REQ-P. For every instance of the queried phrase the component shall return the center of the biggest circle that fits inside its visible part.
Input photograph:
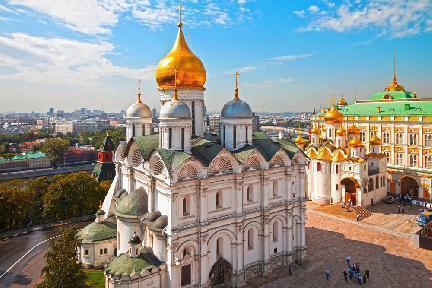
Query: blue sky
(292, 55)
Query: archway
(350, 190)
(409, 186)
(221, 274)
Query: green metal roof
(205, 150)
(147, 144)
(388, 108)
(29, 155)
(173, 159)
(125, 265)
(265, 145)
(134, 204)
(397, 95)
(98, 231)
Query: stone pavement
(393, 261)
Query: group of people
(404, 199)
(353, 273)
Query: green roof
(147, 144)
(265, 145)
(290, 147)
(98, 231)
(173, 159)
(243, 153)
(29, 155)
(125, 265)
(397, 95)
(205, 150)
(133, 204)
(389, 108)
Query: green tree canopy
(15, 201)
(62, 268)
(54, 148)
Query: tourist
(403, 209)
(327, 273)
(367, 273)
(360, 279)
(399, 209)
(345, 276)
(348, 258)
(364, 278)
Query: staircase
(362, 213)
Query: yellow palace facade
(403, 124)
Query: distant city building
(42, 123)
(255, 122)
(214, 123)
(75, 127)
(28, 160)
(104, 168)
(79, 155)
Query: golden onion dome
(190, 70)
(324, 154)
(341, 131)
(342, 102)
(375, 140)
(339, 156)
(355, 142)
(315, 130)
(333, 116)
(311, 154)
(353, 130)
(299, 140)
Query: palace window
(412, 160)
(428, 161)
(86, 252)
(100, 251)
(386, 137)
(275, 231)
(376, 182)
(428, 140)
(169, 138)
(337, 169)
(399, 159)
(186, 278)
(388, 156)
(399, 138)
(362, 136)
(412, 139)
(250, 239)
(219, 200)
(371, 185)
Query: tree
(15, 202)
(62, 268)
(55, 148)
(39, 186)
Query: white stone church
(183, 211)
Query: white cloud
(61, 61)
(313, 9)
(397, 18)
(269, 83)
(244, 69)
(286, 58)
(299, 13)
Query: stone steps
(362, 213)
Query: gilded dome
(190, 70)
(333, 116)
(324, 154)
(353, 130)
(375, 140)
(311, 154)
(339, 155)
(315, 130)
(342, 102)
(355, 142)
(299, 140)
(341, 131)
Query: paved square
(392, 259)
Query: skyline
(291, 56)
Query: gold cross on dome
(237, 74)
(180, 6)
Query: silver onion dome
(138, 110)
(175, 109)
(236, 108)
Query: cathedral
(185, 211)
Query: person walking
(364, 278)
(327, 273)
(367, 273)
(345, 276)
(348, 259)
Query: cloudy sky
(292, 55)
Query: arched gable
(119, 153)
(255, 161)
(191, 169)
(281, 158)
(250, 224)
(278, 217)
(220, 233)
(223, 163)
(134, 157)
(156, 165)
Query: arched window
(275, 188)
(246, 130)
(182, 138)
(250, 239)
(235, 137)
(337, 169)
(219, 203)
(275, 231)
(219, 247)
(318, 166)
(376, 182)
(371, 185)
(249, 197)
(133, 130)
(399, 138)
(185, 205)
(169, 138)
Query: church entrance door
(350, 190)
(221, 274)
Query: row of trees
(48, 199)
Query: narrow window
(186, 278)
(337, 169)
(133, 130)
(224, 135)
(218, 200)
(219, 247)
(182, 138)
(193, 117)
(318, 166)
(143, 130)
(247, 135)
(337, 186)
(100, 251)
(185, 207)
(250, 239)
(86, 252)
(105, 250)
(249, 194)
(235, 137)
(275, 231)
(169, 137)
(275, 188)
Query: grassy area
(95, 278)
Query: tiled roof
(98, 231)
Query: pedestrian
(364, 278)
(348, 258)
(289, 270)
(345, 276)
(327, 273)
(367, 273)
(399, 209)
(403, 209)
(359, 279)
